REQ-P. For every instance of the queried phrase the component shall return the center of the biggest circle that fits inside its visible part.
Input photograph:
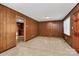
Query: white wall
(67, 26)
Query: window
(67, 26)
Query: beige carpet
(41, 46)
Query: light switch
(72, 27)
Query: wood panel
(2, 30)
(73, 39)
(28, 30)
(51, 28)
(31, 28)
(11, 28)
(7, 28)
(8, 18)
(75, 34)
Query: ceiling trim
(36, 20)
(52, 21)
(70, 12)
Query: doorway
(19, 30)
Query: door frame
(20, 17)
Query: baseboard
(30, 38)
(7, 49)
(51, 36)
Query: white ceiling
(43, 11)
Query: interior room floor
(41, 46)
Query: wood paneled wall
(7, 28)
(73, 39)
(31, 28)
(51, 28)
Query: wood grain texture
(51, 28)
(31, 28)
(7, 28)
(75, 34)
(8, 18)
(73, 39)
(11, 28)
